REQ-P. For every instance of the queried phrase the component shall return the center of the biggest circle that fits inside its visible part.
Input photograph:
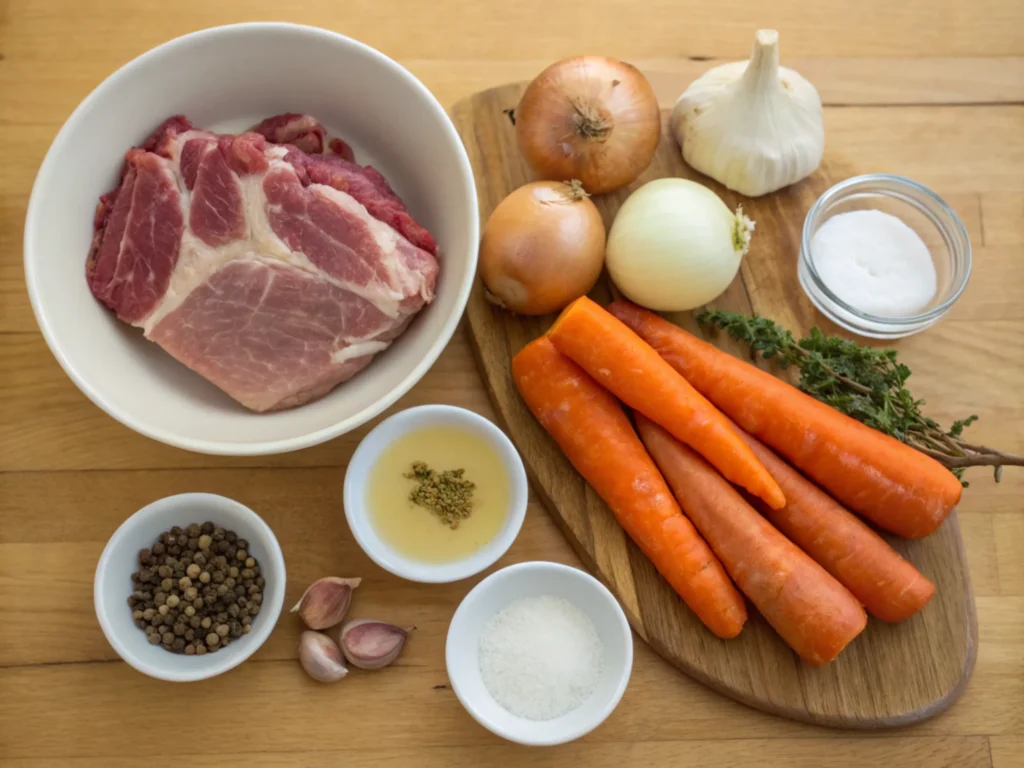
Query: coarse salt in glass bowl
(920, 209)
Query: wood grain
(70, 474)
(892, 674)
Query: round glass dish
(919, 208)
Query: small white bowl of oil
(416, 541)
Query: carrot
(621, 361)
(889, 587)
(811, 611)
(890, 483)
(594, 433)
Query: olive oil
(415, 531)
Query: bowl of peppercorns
(189, 586)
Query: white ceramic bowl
(525, 580)
(227, 78)
(382, 436)
(113, 584)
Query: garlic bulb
(751, 125)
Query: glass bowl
(919, 208)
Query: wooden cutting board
(889, 676)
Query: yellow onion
(542, 247)
(589, 118)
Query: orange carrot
(890, 483)
(889, 587)
(594, 433)
(621, 361)
(811, 611)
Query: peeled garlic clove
(326, 602)
(372, 644)
(321, 657)
(751, 125)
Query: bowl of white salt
(883, 256)
(539, 653)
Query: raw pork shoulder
(268, 262)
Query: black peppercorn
(193, 600)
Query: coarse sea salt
(875, 263)
(540, 657)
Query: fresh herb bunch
(867, 384)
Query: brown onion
(589, 118)
(542, 247)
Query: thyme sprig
(864, 383)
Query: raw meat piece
(274, 273)
(305, 133)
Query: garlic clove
(372, 644)
(326, 601)
(751, 125)
(321, 657)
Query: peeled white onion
(675, 246)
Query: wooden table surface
(933, 89)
